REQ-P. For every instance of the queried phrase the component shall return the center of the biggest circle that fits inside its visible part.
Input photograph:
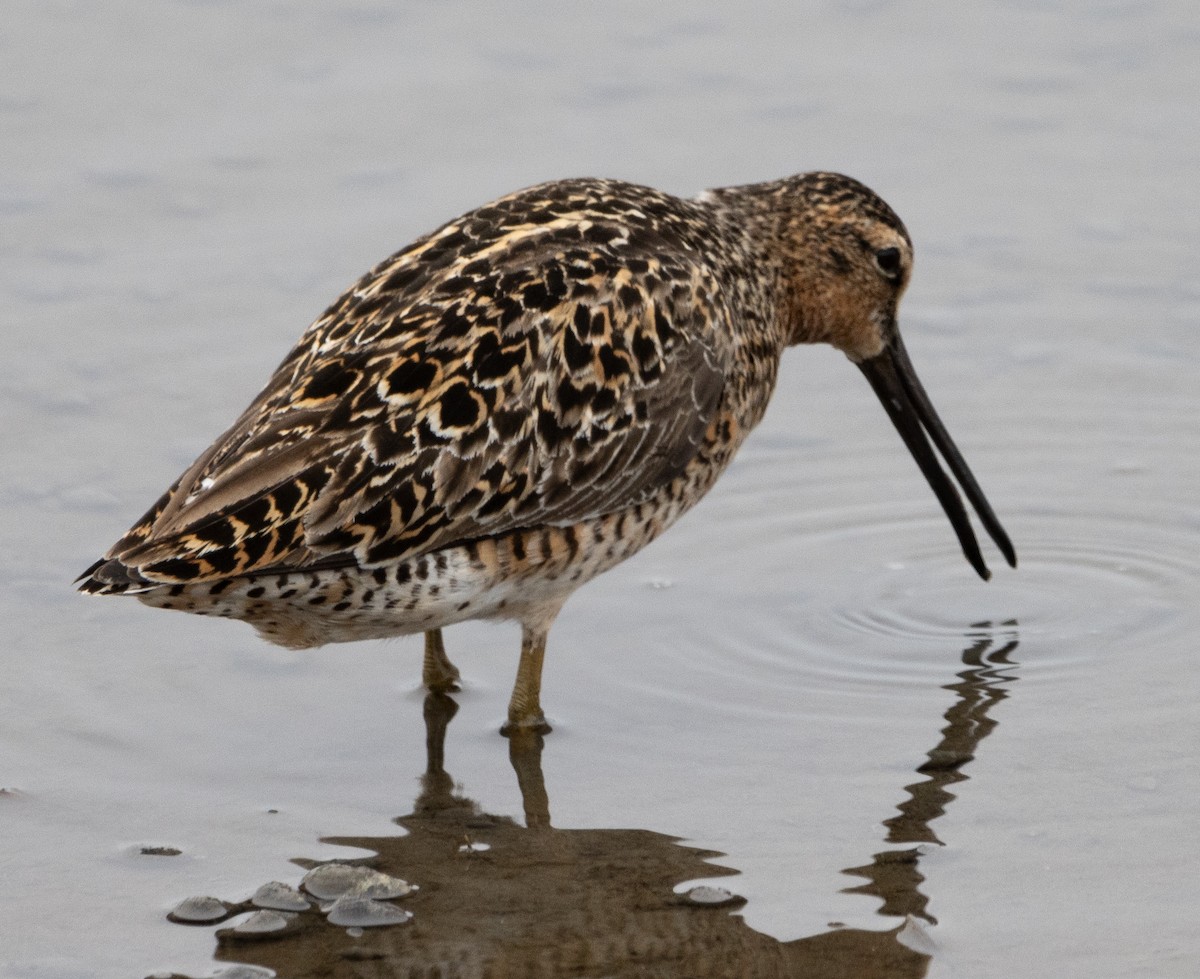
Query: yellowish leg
(525, 707)
(438, 673)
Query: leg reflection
(893, 875)
(525, 753)
(436, 784)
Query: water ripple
(880, 594)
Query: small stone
(362, 912)
(915, 935)
(199, 910)
(333, 880)
(263, 922)
(710, 896)
(279, 896)
(160, 851)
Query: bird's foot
(442, 682)
(437, 672)
(518, 727)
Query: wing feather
(542, 379)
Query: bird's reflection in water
(546, 902)
(892, 875)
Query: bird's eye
(888, 260)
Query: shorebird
(522, 399)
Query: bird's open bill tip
(894, 381)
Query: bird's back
(556, 356)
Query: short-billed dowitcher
(519, 401)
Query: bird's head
(847, 261)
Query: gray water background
(185, 185)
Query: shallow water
(804, 676)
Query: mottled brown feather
(514, 375)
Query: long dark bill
(895, 383)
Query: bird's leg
(438, 673)
(525, 707)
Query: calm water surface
(904, 770)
